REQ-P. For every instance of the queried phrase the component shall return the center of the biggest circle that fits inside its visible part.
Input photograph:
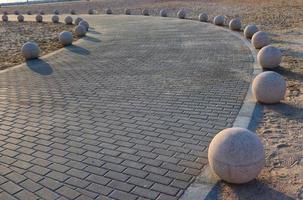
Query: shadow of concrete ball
(66, 38)
(56, 12)
(203, 17)
(181, 14)
(85, 24)
(78, 20)
(80, 31)
(235, 24)
(55, 19)
(20, 18)
(68, 20)
(260, 39)
(30, 50)
(236, 155)
(5, 18)
(163, 13)
(108, 11)
(145, 12)
(250, 30)
(269, 57)
(39, 18)
(127, 11)
(219, 20)
(269, 87)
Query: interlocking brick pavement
(127, 113)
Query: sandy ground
(281, 126)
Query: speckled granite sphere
(72, 12)
(39, 18)
(30, 50)
(236, 155)
(203, 17)
(80, 31)
(269, 57)
(4, 18)
(16, 12)
(85, 24)
(269, 87)
(260, 39)
(181, 14)
(68, 20)
(219, 20)
(78, 20)
(235, 24)
(250, 30)
(66, 38)
(127, 11)
(145, 12)
(108, 11)
(56, 12)
(29, 12)
(55, 19)
(91, 11)
(20, 18)
(163, 13)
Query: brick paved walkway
(126, 114)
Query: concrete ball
(145, 12)
(260, 39)
(236, 155)
(39, 18)
(41, 12)
(127, 11)
(68, 20)
(56, 12)
(30, 50)
(20, 18)
(219, 20)
(163, 13)
(5, 12)
(181, 14)
(29, 12)
(72, 12)
(269, 87)
(250, 30)
(16, 12)
(91, 11)
(108, 11)
(78, 20)
(4, 18)
(203, 17)
(269, 57)
(85, 24)
(235, 24)
(80, 31)
(66, 38)
(55, 19)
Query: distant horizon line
(6, 3)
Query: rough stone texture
(108, 11)
(269, 87)
(250, 30)
(181, 14)
(85, 24)
(55, 19)
(39, 18)
(56, 12)
(4, 18)
(163, 13)
(78, 20)
(20, 18)
(30, 50)
(269, 57)
(68, 20)
(203, 17)
(145, 12)
(236, 155)
(66, 38)
(128, 112)
(127, 11)
(260, 39)
(235, 24)
(80, 30)
(219, 20)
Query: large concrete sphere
(163, 13)
(236, 155)
(235, 24)
(66, 38)
(80, 31)
(260, 39)
(219, 20)
(39, 18)
(85, 24)
(91, 11)
(20, 18)
(30, 50)
(269, 57)
(108, 11)
(203, 17)
(250, 30)
(55, 19)
(4, 18)
(269, 87)
(56, 12)
(145, 12)
(72, 12)
(16, 12)
(127, 11)
(181, 14)
(29, 12)
(78, 20)
(68, 20)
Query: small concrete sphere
(5, 12)
(41, 12)
(203, 17)
(72, 12)
(269, 57)
(219, 20)
(127, 11)
(16, 12)
(145, 12)
(80, 31)
(235, 24)
(4, 18)
(181, 14)
(20, 18)
(250, 30)
(163, 13)
(56, 12)
(30, 50)
(108, 11)
(39, 18)
(29, 12)
(91, 11)
(66, 38)
(236, 155)
(260, 39)
(85, 24)
(55, 19)
(68, 20)
(78, 20)
(269, 87)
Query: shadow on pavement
(92, 39)
(39, 66)
(77, 49)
